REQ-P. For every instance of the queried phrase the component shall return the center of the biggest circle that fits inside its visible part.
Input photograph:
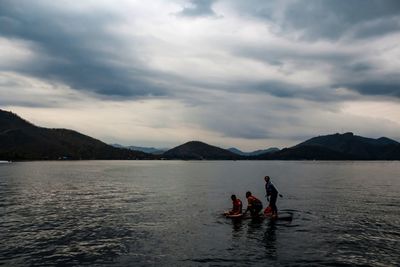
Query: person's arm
(248, 208)
(233, 211)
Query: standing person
(254, 205)
(236, 206)
(272, 195)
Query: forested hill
(196, 150)
(21, 140)
(345, 146)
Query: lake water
(168, 213)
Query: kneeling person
(254, 205)
(237, 206)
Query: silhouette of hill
(345, 146)
(21, 140)
(199, 151)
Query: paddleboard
(284, 216)
(233, 216)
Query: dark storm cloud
(331, 18)
(344, 24)
(199, 8)
(74, 48)
(328, 19)
(376, 88)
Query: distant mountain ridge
(149, 150)
(253, 153)
(21, 140)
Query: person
(272, 195)
(236, 206)
(254, 205)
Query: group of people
(255, 205)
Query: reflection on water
(125, 213)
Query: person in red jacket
(237, 206)
(254, 205)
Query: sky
(248, 74)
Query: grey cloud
(239, 126)
(378, 27)
(347, 68)
(280, 89)
(332, 19)
(293, 91)
(75, 49)
(391, 89)
(30, 103)
(248, 116)
(199, 8)
(367, 79)
(247, 132)
(360, 67)
(327, 19)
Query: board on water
(284, 216)
(234, 216)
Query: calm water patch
(124, 213)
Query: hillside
(21, 140)
(345, 146)
(195, 150)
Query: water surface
(124, 213)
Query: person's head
(266, 178)
(233, 197)
(248, 193)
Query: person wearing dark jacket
(272, 195)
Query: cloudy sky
(251, 74)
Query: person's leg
(252, 211)
(273, 204)
(258, 209)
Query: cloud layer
(247, 73)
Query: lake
(168, 213)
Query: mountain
(305, 153)
(21, 140)
(253, 153)
(199, 151)
(345, 146)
